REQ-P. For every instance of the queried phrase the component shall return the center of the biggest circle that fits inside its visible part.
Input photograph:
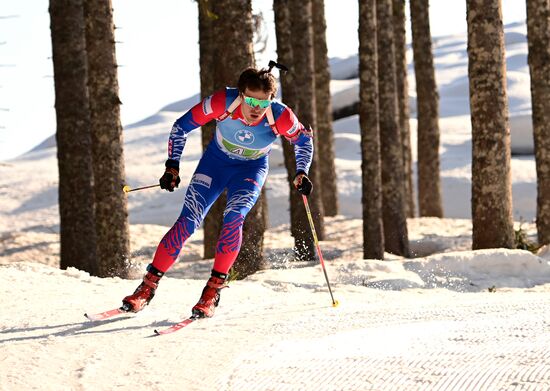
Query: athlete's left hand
(302, 183)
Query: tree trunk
(298, 218)
(113, 245)
(399, 22)
(373, 230)
(74, 141)
(538, 33)
(207, 53)
(429, 184)
(393, 178)
(207, 48)
(324, 131)
(305, 109)
(491, 182)
(218, 19)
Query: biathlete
(248, 121)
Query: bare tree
(373, 235)
(73, 136)
(399, 22)
(218, 19)
(286, 33)
(491, 180)
(429, 184)
(207, 49)
(297, 46)
(113, 244)
(393, 177)
(304, 68)
(538, 33)
(325, 135)
(298, 217)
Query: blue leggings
(243, 180)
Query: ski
(177, 326)
(106, 314)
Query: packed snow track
(276, 330)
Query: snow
(278, 331)
(447, 319)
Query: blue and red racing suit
(237, 160)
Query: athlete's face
(253, 113)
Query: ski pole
(335, 303)
(128, 189)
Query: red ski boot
(144, 292)
(210, 297)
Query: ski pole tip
(126, 188)
(336, 303)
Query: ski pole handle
(127, 189)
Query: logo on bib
(244, 136)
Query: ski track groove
(456, 347)
(478, 342)
(488, 377)
(535, 373)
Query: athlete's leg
(243, 191)
(208, 181)
(206, 185)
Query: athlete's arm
(290, 128)
(208, 109)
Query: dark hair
(256, 80)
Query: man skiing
(248, 122)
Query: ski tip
(91, 317)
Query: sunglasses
(253, 102)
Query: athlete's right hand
(171, 178)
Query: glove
(302, 183)
(171, 178)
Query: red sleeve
(288, 125)
(209, 108)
